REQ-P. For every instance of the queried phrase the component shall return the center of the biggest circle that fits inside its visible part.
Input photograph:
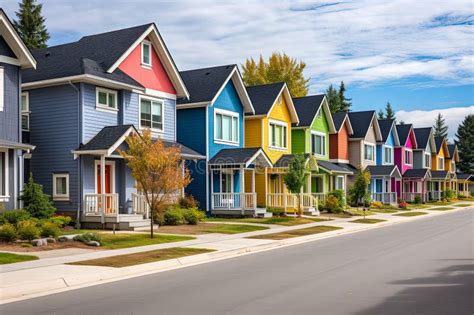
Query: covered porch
(416, 185)
(438, 185)
(463, 182)
(383, 183)
(336, 177)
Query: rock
(50, 240)
(93, 243)
(66, 238)
(39, 242)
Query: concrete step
(311, 211)
(131, 217)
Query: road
(419, 267)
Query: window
(318, 143)
(2, 87)
(440, 163)
(278, 135)
(369, 152)
(3, 174)
(226, 126)
(25, 111)
(151, 114)
(453, 166)
(408, 157)
(106, 99)
(146, 54)
(61, 187)
(427, 160)
(340, 182)
(388, 155)
(226, 183)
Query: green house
(311, 136)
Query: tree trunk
(151, 223)
(299, 205)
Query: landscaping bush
(188, 202)
(60, 220)
(376, 205)
(449, 194)
(8, 233)
(340, 195)
(174, 216)
(28, 230)
(193, 216)
(159, 219)
(87, 237)
(14, 216)
(417, 200)
(403, 205)
(50, 229)
(277, 212)
(333, 205)
(37, 203)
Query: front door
(108, 186)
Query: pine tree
(440, 128)
(465, 142)
(30, 24)
(36, 202)
(333, 99)
(380, 115)
(389, 113)
(345, 103)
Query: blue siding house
(14, 114)
(85, 98)
(211, 122)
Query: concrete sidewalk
(46, 276)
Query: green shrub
(188, 202)
(37, 203)
(8, 233)
(50, 229)
(61, 220)
(14, 216)
(333, 205)
(277, 212)
(193, 216)
(449, 194)
(159, 219)
(376, 205)
(28, 230)
(174, 216)
(87, 237)
(340, 195)
(417, 200)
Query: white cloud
(421, 118)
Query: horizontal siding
(191, 125)
(10, 116)
(197, 187)
(298, 140)
(253, 133)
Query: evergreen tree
(380, 115)
(333, 99)
(30, 24)
(36, 202)
(344, 102)
(465, 143)
(440, 128)
(389, 113)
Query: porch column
(212, 188)
(242, 199)
(102, 186)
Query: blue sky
(419, 55)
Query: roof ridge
(117, 30)
(266, 84)
(213, 67)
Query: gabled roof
(440, 175)
(285, 160)
(308, 107)
(334, 168)
(384, 170)
(465, 177)
(347, 166)
(240, 156)
(205, 85)
(387, 125)
(341, 118)
(441, 142)
(417, 173)
(405, 131)
(361, 121)
(423, 136)
(22, 55)
(265, 96)
(453, 152)
(99, 56)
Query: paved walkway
(49, 275)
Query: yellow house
(440, 176)
(450, 166)
(270, 129)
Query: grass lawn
(368, 221)
(443, 208)
(356, 212)
(7, 258)
(142, 258)
(384, 210)
(297, 233)
(117, 241)
(203, 228)
(79, 231)
(413, 206)
(285, 221)
(410, 214)
(462, 205)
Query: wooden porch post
(242, 190)
(102, 187)
(212, 188)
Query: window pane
(235, 129)
(111, 100)
(226, 128)
(146, 54)
(25, 123)
(145, 115)
(61, 185)
(318, 144)
(218, 126)
(272, 135)
(24, 103)
(284, 137)
(278, 136)
(102, 98)
(156, 116)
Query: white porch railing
(140, 206)
(410, 196)
(101, 205)
(385, 198)
(288, 200)
(234, 201)
(435, 195)
(322, 197)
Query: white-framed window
(387, 155)
(61, 186)
(427, 160)
(25, 111)
(151, 114)
(408, 157)
(106, 99)
(146, 54)
(318, 143)
(339, 182)
(440, 163)
(4, 178)
(2, 88)
(226, 127)
(369, 152)
(278, 135)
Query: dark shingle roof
(263, 96)
(451, 148)
(463, 176)
(185, 151)
(403, 133)
(203, 84)
(422, 136)
(381, 170)
(360, 122)
(306, 108)
(333, 167)
(439, 174)
(348, 167)
(233, 156)
(93, 54)
(338, 119)
(438, 142)
(105, 138)
(416, 173)
(385, 127)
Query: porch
(439, 183)
(416, 185)
(463, 182)
(383, 183)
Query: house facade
(440, 177)
(14, 56)
(363, 141)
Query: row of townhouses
(66, 110)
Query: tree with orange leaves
(157, 170)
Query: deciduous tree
(296, 177)
(359, 191)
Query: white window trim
(279, 123)
(429, 160)
(321, 134)
(374, 158)
(112, 173)
(27, 111)
(405, 156)
(143, 64)
(6, 197)
(60, 197)
(2, 88)
(343, 183)
(441, 167)
(102, 107)
(152, 99)
(231, 114)
(385, 155)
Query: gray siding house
(85, 98)
(14, 56)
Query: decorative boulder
(39, 242)
(50, 240)
(93, 243)
(66, 238)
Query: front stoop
(127, 222)
(312, 212)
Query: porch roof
(16, 145)
(334, 168)
(417, 173)
(348, 167)
(240, 157)
(440, 175)
(464, 177)
(384, 170)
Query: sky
(417, 55)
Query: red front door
(108, 187)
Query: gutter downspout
(79, 180)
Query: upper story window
(440, 163)
(427, 160)
(106, 99)
(226, 126)
(4, 174)
(408, 157)
(453, 166)
(151, 114)
(369, 152)
(146, 53)
(388, 155)
(278, 135)
(318, 143)
(60, 186)
(25, 111)
(2, 87)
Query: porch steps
(262, 213)
(311, 211)
(126, 222)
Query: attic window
(146, 53)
